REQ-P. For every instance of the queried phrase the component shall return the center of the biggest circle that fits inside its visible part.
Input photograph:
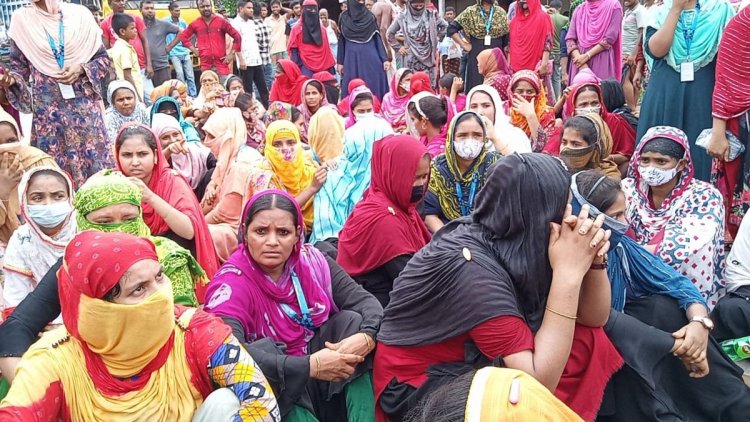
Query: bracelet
(588, 56)
(603, 266)
(317, 366)
(367, 340)
(561, 314)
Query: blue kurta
(364, 61)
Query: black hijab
(311, 19)
(490, 264)
(357, 24)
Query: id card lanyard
(466, 206)
(487, 25)
(58, 50)
(687, 69)
(304, 320)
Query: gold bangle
(367, 340)
(317, 366)
(561, 314)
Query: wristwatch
(705, 321)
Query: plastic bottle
(737, 349)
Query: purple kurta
(606, 64)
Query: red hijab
(528, 34)
(623, 134)
(385, 223)
(316, 57)
(343, 105)
(420, 82)
(287, 86)
(173, 188)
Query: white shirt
(250, 50)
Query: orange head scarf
(540, 100)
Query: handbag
(736, 148)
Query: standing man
(558, 23)
(156, 32)
(295, 14)
(139, 43)
(249, 59)
(633, 23)
(276, 23)
(210, 32)
(450, 51)
(180, 54)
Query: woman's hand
(575, 243)
(209, 196)
(10, 174)
(718, 145)
(330, 365)
(524, 107)
(321, 174)
(542, 69)
(680, 5)
(147, 194)
(403, 51)
(466, 46)
(70, 74)
(6, 80)
(581, 60)
(694, 338)
(386, 65)
(359, 344)
(175, 148)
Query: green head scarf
(102, 190)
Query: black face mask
(417, 192)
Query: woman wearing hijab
(58, 46)
(326, 135)
(429, 116)
(331, 86)
(343, 105)
(107, 202)
(525, 284)
(170, 209)
(530, 111)
(485, 25)
(191, 160)
(492, 65)
(293, 170)
(675, 216)
(531, 36)
(587, 144)
(288, 83)
(420, 82)
(346, 182)
(315, 325)
(308, 43)
(394, 102)
(46, 196)
(495, 394)
(362, 54)
(457, 175)
(124, 107)
(502, 136)
(361, 103)
(682, 71)
(421, 29)
(313, 99)
(594, 39)
(211, 96)
(240, 172)
(15, 158)
(176, 89)
(385, 229)
(171, 107)
(126, 345)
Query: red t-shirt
(140, 26)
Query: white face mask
(361, 116)
(580, 111)
(655, 176)
(406, 86)
(468, 149)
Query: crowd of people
(503, 212)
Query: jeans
(269, 75)
(556, 76)
(183, 67)
(148, 86)
(254, 77)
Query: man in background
(558, 23)
(277, 24)
(156, 32)
(180, 54)
(250, 60)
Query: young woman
(308, 43)
(494, 68)
(587, 144)
(126, 345)
(191, 160)
(414, 36)
(343, 105)
(362, 53)
(531, 36)
(614, 99)
(675, 216)
(594, 39)
(677, 97)
(429, 115)
(171, 107)
(46, 196)
(501, 135)
(276, 290)
(385, 229)
(361, 105)
(331, 86)
(313, 99)
(326, 135)
(532, 276)
(394, 102)
(170, 209)
(457, 176)
(288, 83)
(124, 107)
(530, 111)
(346, 182)
(293, 170)
(234, 86)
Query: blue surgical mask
(51, 215)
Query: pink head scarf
(394, 106)
(351, 120)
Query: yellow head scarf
(502, 394)
(326, 134)
(294, 175)
(604, 148)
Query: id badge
(487, 40)
(67, 91)
(687, 72)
